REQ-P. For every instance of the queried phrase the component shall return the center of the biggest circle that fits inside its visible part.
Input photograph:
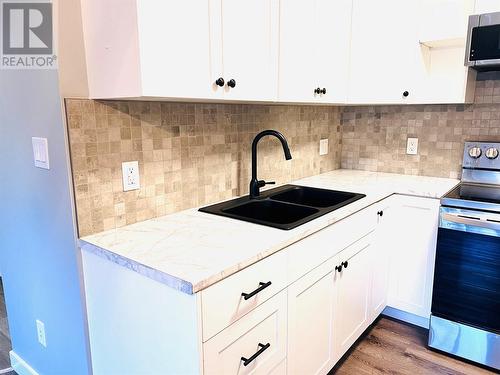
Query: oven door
(467, 273)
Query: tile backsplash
(374, 137)
(195, 154)
(189, 154)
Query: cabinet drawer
(259, 337)
(312, 251)
(223, 303)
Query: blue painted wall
(38, 257)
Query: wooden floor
(4, 333)
(392, 347)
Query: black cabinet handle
(231, 83)
(220, 82)
(317, 91)
(323, 91)
(263, 348)
(338, 268)
(345, 264)
(261, 287)
(380, 213)
(405, 94)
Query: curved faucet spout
(255, 184)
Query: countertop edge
(130, 264)
(193, 287)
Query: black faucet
(255, 184)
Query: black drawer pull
(263, 348)
(345, 264)
(261, 287)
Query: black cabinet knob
(220, 82)
(231, 83)
(345, 264)
(405, 94)
(380, 213)
(323, 91)
(338, 268)
(320, 90)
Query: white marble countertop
(191, 250)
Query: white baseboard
(20, 366)
(406, 317)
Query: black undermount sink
(285, 207)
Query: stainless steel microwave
(483, 41)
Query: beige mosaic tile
(189, 154)
(374, 137)
(195, 154)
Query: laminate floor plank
(395, 348)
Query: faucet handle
(263, 183)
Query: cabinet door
(383, 47)
(333, 46)
(353, 295)
(310, 322)
(413, 250)
(380, 258)
(297, 67)
(250, 33)
(174, 39)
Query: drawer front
(312, 251)
(257, 340)
(223, 303)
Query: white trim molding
(20, 366)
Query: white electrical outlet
(412, 146)
(40, 330)
(323, 147)
(130, 174)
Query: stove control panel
(481, 155)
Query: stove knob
(475, 152)
(492, 153)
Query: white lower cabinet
(256, 344)
(412, 247)
(305, 306)
(311, 302)
(352, 315)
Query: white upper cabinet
(175, 49)
(383, 45)
(314, 50)
(487, 6)
(182, 49)
(288, 51)
(250, 36)
(442, 36)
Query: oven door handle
(461, 219)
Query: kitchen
(280, 195)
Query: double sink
(285, 207)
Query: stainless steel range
(465, 318)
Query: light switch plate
(323, 147)
(40, 331)
(130, 174)
(40, 152)
(412, 146)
